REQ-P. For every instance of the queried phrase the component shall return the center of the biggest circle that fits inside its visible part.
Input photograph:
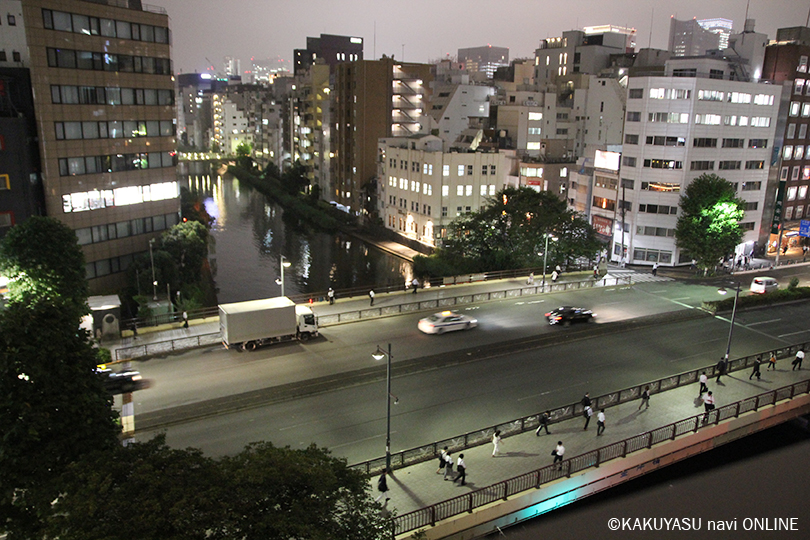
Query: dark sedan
(566, 315)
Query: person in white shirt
(496, 443)
(708, 404)
(558, 453)
(462, 470)
(600, 422)
(799, 358)
(703, 386)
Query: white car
(446, 321)
(763, 284)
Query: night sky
(430, 29)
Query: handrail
(167, 346)
(430, 515)
(428, 452)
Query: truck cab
(307, 322)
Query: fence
(468, 502)
(430, 451)
(168, 346)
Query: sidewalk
(419, 486)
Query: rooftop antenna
(374, 52)
(747, 4)
(652, 15)
(403, 52)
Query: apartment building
(311, 116)
(422, 188)
(103, 96)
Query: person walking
(371, 296)
(530, 279)
(496, 443)
(544, 419)
(600, 422)
(708, 405)
(382, 486)
(645, 399)
(185, 319)
(415, 285)
(587, 413)
(772, 361)
(554, 276)
(558, 454)
(448, 466)
(461, 470)
(721, 369)
(331, 296)
(134, 331)
(755, 371)
(442, 460)
(703, 386)
(586, 400)
(558, 269)
(797, 362)
(655, 269)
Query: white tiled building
(423, 188)
(678, 128)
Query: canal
(250, 234)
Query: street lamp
(379, 354)
(722, 290)
(154, 280)
(545, 256)
(280, 281)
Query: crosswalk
(636, 277)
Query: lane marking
(793, 333)
(764, 322)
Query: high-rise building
(372, 99)
(695, 37)
(485, 59)
(333, 49)
(103, 103)
(580, 51)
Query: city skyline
(204, 32)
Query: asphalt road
(512, 365)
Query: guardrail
(170, 345)
(464, 299)
(457, 443)
(468, 502)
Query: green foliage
(509, 232)
(53, 410)
(243, 156)
(166, 271)
(44, 263)
(794, 283)
(150, 491)
(708, 227)
(750, 300)
(187, 243)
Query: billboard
(606, 160)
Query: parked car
(763, 284)
(566, 315)
(446, 321)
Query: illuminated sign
(606, 160)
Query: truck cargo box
(257, 320)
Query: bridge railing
(468, 502)
(471, 439)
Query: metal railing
(470, 439)
(164, 347)
(468, 502)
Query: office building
(695, 37)
(332, 49)
(484, 59)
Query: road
(512, 365)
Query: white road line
(658, 292)
(792, 333)
(763, 322)
(684, 298)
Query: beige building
(104, 103)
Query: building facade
(485, 59)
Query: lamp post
(284, 264)
(154, 280)
(379, 355)
(545, 256)
(722, 290)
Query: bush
(752, 300)
(794, 283)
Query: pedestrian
(797, 362)
(558, 269)
(586, 400)
(721, 369)
(134, 331)
(595, 272)
(645, 398)
(544, 419)
(600, 422)
(554, 276)
(772, 361)
(382, 486)
(496, 443)
(708, 404)
(755, 371)
(587, 413)
(442, 460)
(415, 285)
(530, 279)
(448, 465)
(655, 269)
(371, 296)
(558, 453)
(461, 469)
(331, 296)
(703, 386)
(185, 319)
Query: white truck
(251, 324)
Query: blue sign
(804, 228)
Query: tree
(42, 259)
(187, 243)
(509, 232)
(53, 410)
(708, 228)
(243, 156)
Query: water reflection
(250, 235)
